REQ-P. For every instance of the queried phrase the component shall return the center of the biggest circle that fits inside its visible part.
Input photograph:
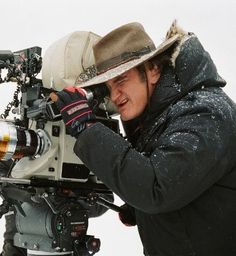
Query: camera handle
(93, 198)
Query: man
(177, 171)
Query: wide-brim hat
(122, 49)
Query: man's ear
(155, 73)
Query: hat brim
(116, 71)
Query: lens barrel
(17, 142)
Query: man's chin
(125, 117)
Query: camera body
(52, 193)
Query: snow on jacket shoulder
(193, 152)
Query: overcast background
(27, 23)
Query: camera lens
(17, 142)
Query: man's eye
(121, 81)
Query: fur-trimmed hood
(191, 67)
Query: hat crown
(121, 45)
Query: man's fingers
(53, 96)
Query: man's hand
(75, 110)
(127, 215)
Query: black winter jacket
(180, 172)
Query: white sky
(26, 23)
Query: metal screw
(58, 249)
(45, 194)
(68, 214)
(36, 246)
(24, 244)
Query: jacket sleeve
(189, 157)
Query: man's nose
(114, 94)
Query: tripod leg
(8, 247)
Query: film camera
(52, 192)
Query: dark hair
(161, 60)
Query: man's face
(130, 93)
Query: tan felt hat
(122, 49)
